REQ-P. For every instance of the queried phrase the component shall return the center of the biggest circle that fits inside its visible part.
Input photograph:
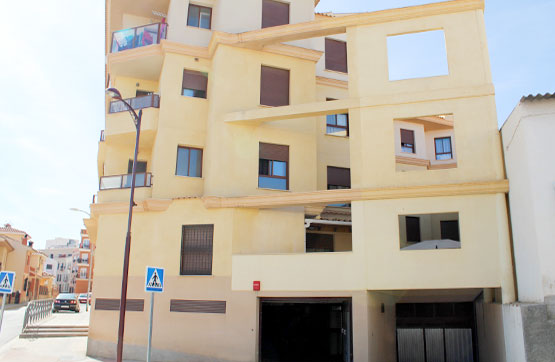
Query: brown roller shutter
(197, 249)
(339, 176)
(197, 306)
(274, 86)
(407, 136)
(274, 13)
(194, 80)
(336, 55)
(132, 305)
(269, 151)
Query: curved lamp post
(115, 94)
(90, 264)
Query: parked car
(66, 301)
(83, 298)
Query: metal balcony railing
(139, 36)
(151, 100)
(124, 181)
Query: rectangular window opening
(273, 166)
(337, 124)
(336, 55)
(274, 13)
(274, 86)
(194, 84)
(189, 162)
(196, 249)
(199, 16)
(417, 55)
(429, 231)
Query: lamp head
(114, 93)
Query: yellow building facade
(303, 202)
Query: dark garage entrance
(305, 330)
(436, 332)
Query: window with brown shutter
(194, 84)
(407, 141)
(273, 166)
(274, 13)
(197, 249)
(336, 55)
(274, 86)
(339, 178)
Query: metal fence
(36, 311)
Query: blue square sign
(7, 279)
(154, 281)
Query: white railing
(36, 311)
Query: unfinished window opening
(425, 143)
(417, 55)
(330, 230)
(429, 231)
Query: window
(274, 13)
(336, 55)
(319, 243)
(274, 86)
(413, 229)
(197, 249)
(48, 266)
(407, 141)
(141, 167)
(339, 178)
(273, 166)
(199, 16)
(443, 148)
(189, 162)
(83, 273)
(337, 124)
(194, 84)
(417, 55)
(142, 93)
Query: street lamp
(114, 93)
(79, 210)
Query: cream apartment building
(308, 196)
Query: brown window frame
(334, 117)
(264, 24)
(443, 153)
(271, 175)
(200, 7)
(335, 65)
(189, 160)
(280, 154)
(404, 144)
(194, 73)
(209, 250)
(336, 186)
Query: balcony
(139, 36)
(152, 100)
(124, 181)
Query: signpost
(154, 283)
(7, 279)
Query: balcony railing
(124, 181)
(151, 100)
(139, 36)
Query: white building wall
(527, 142)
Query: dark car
(66, 301)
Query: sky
(52, 96)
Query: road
(11, 324)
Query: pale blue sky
(52, 84)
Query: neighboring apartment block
(84, 264)
(527, 136)
(32, 280)
(309, 194)
(65, 252)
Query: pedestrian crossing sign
(154, 281)
(7, 279)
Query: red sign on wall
(256, 285)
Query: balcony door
(140, 176)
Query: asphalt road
(11, 324)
